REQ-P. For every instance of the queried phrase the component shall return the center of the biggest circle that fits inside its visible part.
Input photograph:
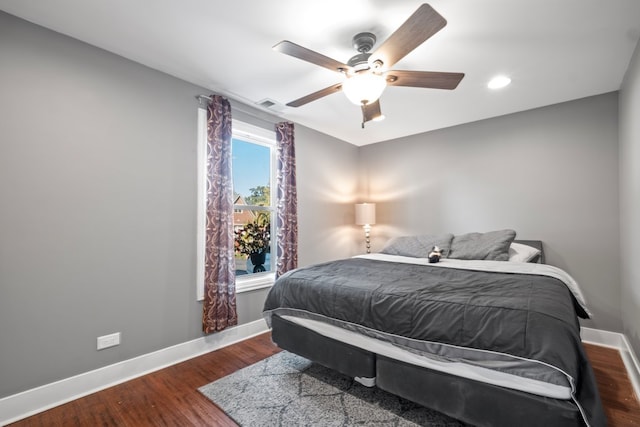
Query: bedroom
(114, 252)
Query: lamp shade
(365, 213)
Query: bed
(484, 340)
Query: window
(253, 168)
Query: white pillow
(522, 253)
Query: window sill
(247, 284)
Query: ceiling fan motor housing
(363, 42)
(359, 62)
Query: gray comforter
(452, 314)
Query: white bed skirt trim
(618, 341)
(31, 402)
(459, 369)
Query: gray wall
(327, 184)
(551, 174)
(630, 200)
(97, 224)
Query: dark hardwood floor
(616, 391)
(169, 397)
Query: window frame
(251, 134)
(260, 136)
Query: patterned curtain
(287, 208)
(219, 309)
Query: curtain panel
(287, 200)
(219, 308)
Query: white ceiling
(553, 50)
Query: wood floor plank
(621, 405)
(169, 397)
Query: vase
(258, 259)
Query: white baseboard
(619, 342)
(30, 402)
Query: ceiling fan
(366, 75)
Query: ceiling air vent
(270, 104)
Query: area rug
(288, 390)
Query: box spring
(467, 400)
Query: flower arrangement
(252, 238)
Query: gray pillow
(493, 245)
(418, 246)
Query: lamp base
(367, 237)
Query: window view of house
(253, 206)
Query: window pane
(252, 229)
(251, 173)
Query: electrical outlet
(107, 341)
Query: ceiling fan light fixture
(364, 87)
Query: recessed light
(499, 82)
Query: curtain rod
(265, 117)
(201, 97)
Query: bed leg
(367, 382)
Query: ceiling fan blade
(297, 51)
(424, 23)
(426, 79)
(371, 111)
(316, 95)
